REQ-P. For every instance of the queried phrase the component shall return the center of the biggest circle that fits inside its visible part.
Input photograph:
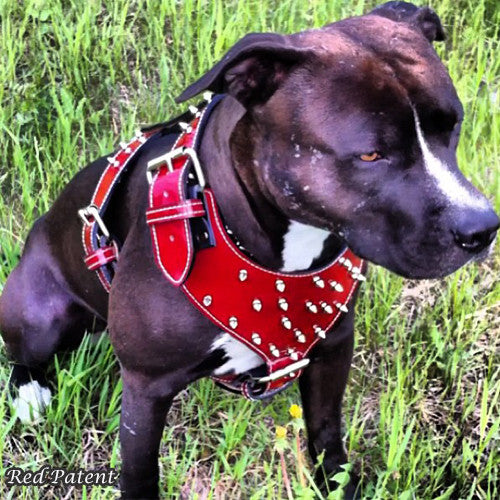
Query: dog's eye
(373, 156)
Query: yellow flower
(280, 432)
(296, 411)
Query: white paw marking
(32, 400)
(302, 244)
(241, 358)
(446, 181)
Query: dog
(344, 135)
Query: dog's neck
(263, 230)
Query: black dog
(341, 135)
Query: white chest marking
(241, 358)
(446, 181)
(32, 400)
(302, 244)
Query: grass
(421, 408)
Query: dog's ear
(252, 70)
(423, 18)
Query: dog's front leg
(322, 387)
(141, 426)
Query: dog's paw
(31, 401)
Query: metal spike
(355, 270)
(347, 263)
(128, 150)
(280, 285)
(300, 337)
(293, 354)
(257, 305)
(319, 332)
(360, 277)
(311, 307)
(341, 260)
(274, 350)
(256, 339)
(233, 321)
(193, 109)
(207, 95)
(286, 323)
(342, 307)
(207, 300)
(243, 275)
(318, 282)
(335, 285)
(123, 145)
(283, 304)
(327, 308)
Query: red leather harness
(280, 316)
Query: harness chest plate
(280, 316)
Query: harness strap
(101, 249)
(186, 210)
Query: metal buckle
(167, 159)
(284, 371)
(93, 211)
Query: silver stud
(257, 305)
(280, 285)
(292, 374)
(274, 350)
(299, 336)
(319, 332)
(207, 95)
(283, 304)
(342, 307)
(233, 321)
(286, 323)
(138, 133)
(327, 308)
(243, 275)
(183, 125)
(256, 339)
(311, 307)
(347, 263)
(341, 260)
(293, 354)
(128, 150)
(335, 285)
(123, 145)
(318, 282)
(193, 109)
(359, 277)
(355, 270)
(207, 300)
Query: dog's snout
(476, 230)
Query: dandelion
(295, 411)
(280, 432)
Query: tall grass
(421, 408)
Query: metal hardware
(256, 339)
(207, 300)
(311, 307)
(280, 285)
(167, 159)
(243, 275)
(283, 304)
(288, 370)
(93, 211)
(257, 305)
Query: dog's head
(354, 129)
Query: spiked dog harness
(280, 316)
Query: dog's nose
(475, 230)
